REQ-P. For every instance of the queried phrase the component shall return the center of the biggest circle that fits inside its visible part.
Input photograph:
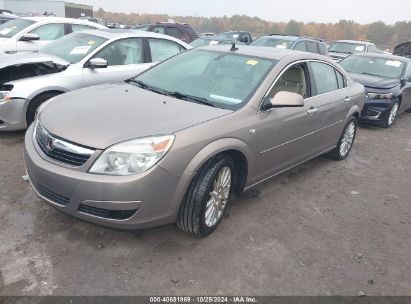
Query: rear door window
(301, 46)
(312, 47)
(324, 78)
(50, 31)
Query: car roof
(382, 55)
(60, 19)
(265, 52)
(354, 41)
(284, 37)
(126, 33)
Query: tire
(35, 103)
(192, 214)
(340, 152)
(389, 121)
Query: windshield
(230, 35)
(203, 42)
(273, 42)
(348, 48)
(381, 67)
(224, 80)
(11, 28)
(74, 47)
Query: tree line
(385, 36)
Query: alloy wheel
(347, 139)
(393, 114)
(218, 197)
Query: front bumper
(13, 115)
(376, 111)
(124, 202)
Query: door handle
(312, 111)
(347, 99)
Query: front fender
(206, 153)
(216, 147)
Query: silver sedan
(75, 61)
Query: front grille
(107, 213)
(53, 196)
(60, 150)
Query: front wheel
(207, 197)
(346, 141)
(389, 121)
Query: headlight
(134, 156)
(5, 91)
(378, 96)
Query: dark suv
(297, 43)
(244, 37)
(180, 31)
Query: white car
(73, 62)
(30, 34)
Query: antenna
(233, 47)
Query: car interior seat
(293, 80)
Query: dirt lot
(325, 228)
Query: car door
(285, 134)
(47, 33)
(331, 101)
(125, 58)
(161, 49)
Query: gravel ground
(324, 228)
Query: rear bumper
(13, 115)
(124, 202)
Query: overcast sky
(361, 11)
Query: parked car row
(31, 33)
(113, 116)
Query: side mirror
(30, 37)
(287, 99)
(98, 63)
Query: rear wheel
(346, 141)
(207, 197)
(35, 103)
(389, 121)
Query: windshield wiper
(145, 86)
(177, 95)
(369, 74)
(182, 96)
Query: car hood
(101, 116)
(23, 58)
(375, 82)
